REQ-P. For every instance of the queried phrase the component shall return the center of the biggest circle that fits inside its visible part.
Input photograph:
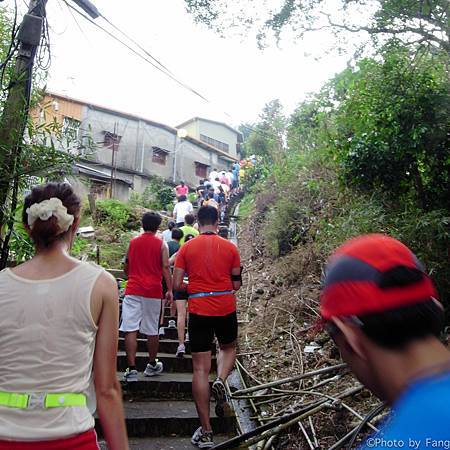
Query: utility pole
(113, 160)
(15, 113)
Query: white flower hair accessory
(48, 208)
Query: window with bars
(201, 170)
(159, 156)
(71, 128)
(215, 143)
(111, 140)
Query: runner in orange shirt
(213, 267)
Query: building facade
(120, 152)
(217, 134)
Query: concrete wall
(153, 136)
(83, 185)
(135, 150)
(188, 154)
(220, 133)
(192, 129)
(134, 154)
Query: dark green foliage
(157, 195)
(116, 213)
(392, 127)
(368, 153)
(266, 138)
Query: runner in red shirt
(181, 189)
(146, 264)
(213, 267)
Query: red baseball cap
(364, 276)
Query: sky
(235, 76)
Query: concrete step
(165, 386)
(166, 418)
(169, 333)
(170, 361)
(164, 443)
(167, 318)
(165, 345)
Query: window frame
(159, 156)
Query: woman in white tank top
(58, 338)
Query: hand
(169, 297)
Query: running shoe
(130, 376)
(161, 331)
(202, 439)
(219, 392)
(181, 350)
(151, 371)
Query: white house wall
(220, 133)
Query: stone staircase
(159, 411)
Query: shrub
(114, 212)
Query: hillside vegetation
(368, 153)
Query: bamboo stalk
(313, 431)
(290, 379)
(274, 427)
(306, 434)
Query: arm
(236, 284)
(236, 270)
(126, 264)
(178, 275)
(172, 260)
(107, 387)
(166, 271)
(174, 213)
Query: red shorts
(83, 441)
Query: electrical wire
(146, 59)
(137, 44)
(153, 61)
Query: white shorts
(141, 313)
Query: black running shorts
(203, 328)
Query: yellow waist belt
(41, 400)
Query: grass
(315, 213)
(247, 206)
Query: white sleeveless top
(47, 341)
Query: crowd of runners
(59, 321)
(200, 272)
(216, 190)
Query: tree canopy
(413, 21)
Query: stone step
(167, 318)
(164, 443)
(164, 386)
(165, 346)
(169, 333)
(166, 418)
(170, 361)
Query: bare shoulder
(106, 284)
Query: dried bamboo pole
(311, 445)
(274, 427)
(289, 380)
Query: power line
(169, 74)
(161, 67)
(137, 44)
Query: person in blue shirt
(381, 309)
